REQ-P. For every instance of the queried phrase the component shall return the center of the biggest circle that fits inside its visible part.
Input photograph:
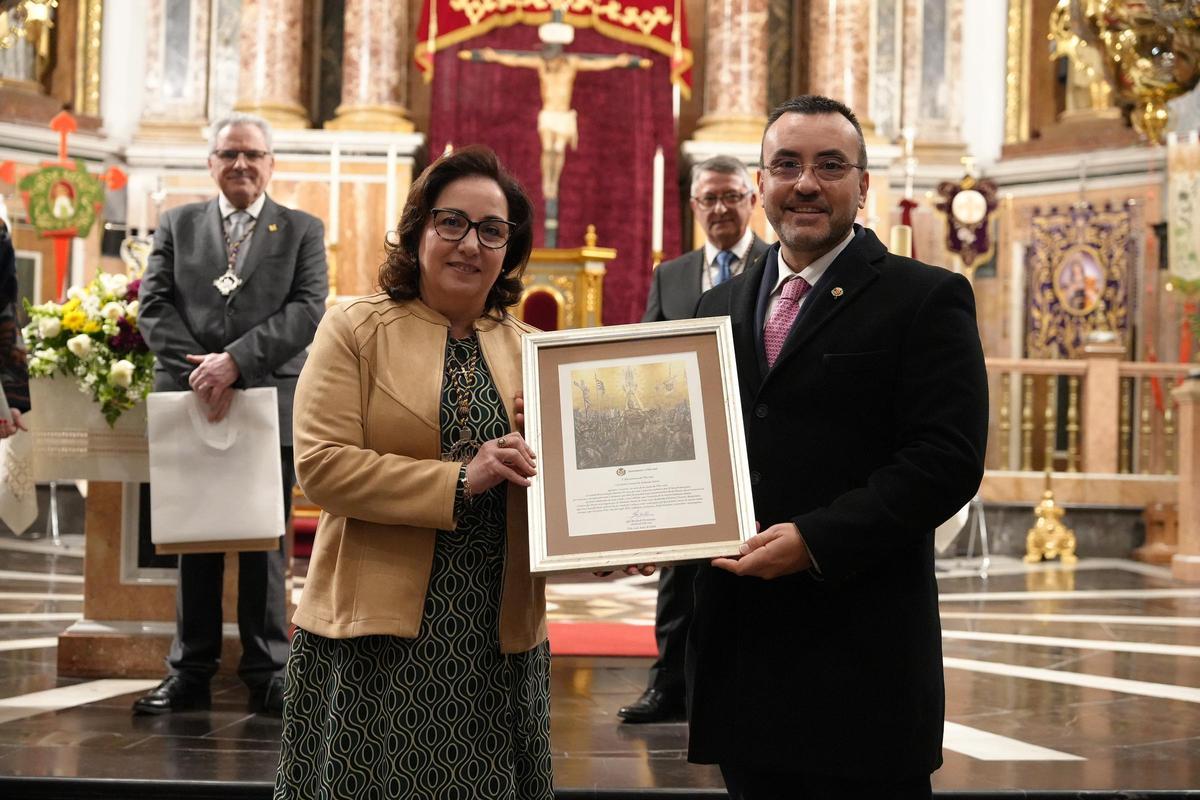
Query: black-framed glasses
(453, 226)
(826, 170)
(231, 156)
(727, 199)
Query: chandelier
(24, 20)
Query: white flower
(75, 293)
(112, 311)
(121, 373)
(118, 283)
(132, 309)
(91, 305)
(90, 379)
(47, 355)
(49, 327)
(80, 345)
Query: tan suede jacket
(368, 448)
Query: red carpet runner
(601, 639)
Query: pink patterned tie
(776, 330)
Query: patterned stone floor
(1083, 679)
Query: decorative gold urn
(1049, 538)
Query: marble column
(931, 100)
(735, 71)
(176, 88)
(269, 79)
(839, 54)
(374, 67)
(1185, 566)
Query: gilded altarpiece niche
(1081, 265)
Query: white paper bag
(215, 486)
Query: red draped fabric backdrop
(624, 114)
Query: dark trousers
(672, 618)
(746, 783)
(262, 608)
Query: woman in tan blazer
(420, 665)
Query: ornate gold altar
(564, 288)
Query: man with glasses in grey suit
(722, 199)
(232, 294)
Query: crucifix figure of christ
(556, 125)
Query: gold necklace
(462, 380)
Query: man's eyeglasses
(727, 199)
(826, 170)
(231, 156)
(453, 226)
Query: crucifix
(556, 124)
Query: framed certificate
(641, 451)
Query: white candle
(901, 243)
(389, 211)
(335, 187)
(656, 234)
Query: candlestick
(656, 234)
(389, 212)
(335, 189)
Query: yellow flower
(74, 320)
(91, 326)
(71, 305)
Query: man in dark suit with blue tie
(723, 197)
(814, 659)
(232, 294)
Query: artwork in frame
(641, 450)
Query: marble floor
(1058, 680)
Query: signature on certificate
(640, 520)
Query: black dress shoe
(653, 706)
(176, 693)
(268, 698)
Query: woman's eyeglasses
(453, 226)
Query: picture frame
(641, 450)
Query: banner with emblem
(654, 24)
(1183, 205)
(1080, 268)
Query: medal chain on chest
(463, 378)
(229, 281)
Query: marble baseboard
(127, 655)
(1100, 532)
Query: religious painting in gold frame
(641, 450)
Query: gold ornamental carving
(87, 66)
(614, 11)
(1150, 51)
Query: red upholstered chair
(542, 308)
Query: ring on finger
(502, 442)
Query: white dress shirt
(812, 273)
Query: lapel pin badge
(837, 291)
(272, 227)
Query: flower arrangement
(94, 337)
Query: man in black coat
(723, 198)
(814, 659)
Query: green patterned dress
(445, 715)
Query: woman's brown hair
(400, 275)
